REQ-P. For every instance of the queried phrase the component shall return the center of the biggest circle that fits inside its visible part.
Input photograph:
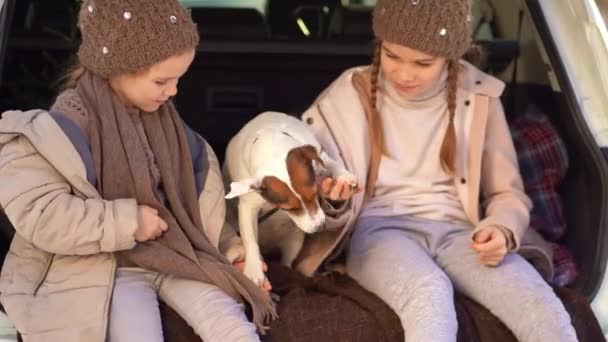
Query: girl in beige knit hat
(116, 201)
(444, 206)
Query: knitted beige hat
(123, 36)
(436, 27)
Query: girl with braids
(443, 205)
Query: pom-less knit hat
(124, 36)
(436, 27)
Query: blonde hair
(447, 155)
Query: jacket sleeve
(41, 205)
(212, 203)
(504, 201)
(335, 217)
(230, 244)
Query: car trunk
(277, 67)
(584, 189)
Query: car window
(359, 3)
(578, 30)
(259, 5)
(597, 35)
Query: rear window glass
(259, 5)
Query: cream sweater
(411, 180)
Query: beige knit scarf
(122, 172)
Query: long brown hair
(376, 128)
(447, 156)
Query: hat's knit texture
(124, 36)
(436, 27)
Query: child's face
(148, 90)
(409, 71)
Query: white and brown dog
(273, 163)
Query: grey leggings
(135, 316)
(412, 265)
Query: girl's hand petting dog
(490, 243)
(151, 226)
(240, 265)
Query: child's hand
(240, 265)
(335, 190)
(491, 245)
(151, 226)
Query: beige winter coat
(57, 278)
(487, 177)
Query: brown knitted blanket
(334, 308)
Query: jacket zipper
(44, 274)
(106, 313)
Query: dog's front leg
(248, 227)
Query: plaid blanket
(543, 163)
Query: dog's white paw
(347, 177)
(254, 271)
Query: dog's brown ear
(278, 194)
(306, 153)
(301, 171)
